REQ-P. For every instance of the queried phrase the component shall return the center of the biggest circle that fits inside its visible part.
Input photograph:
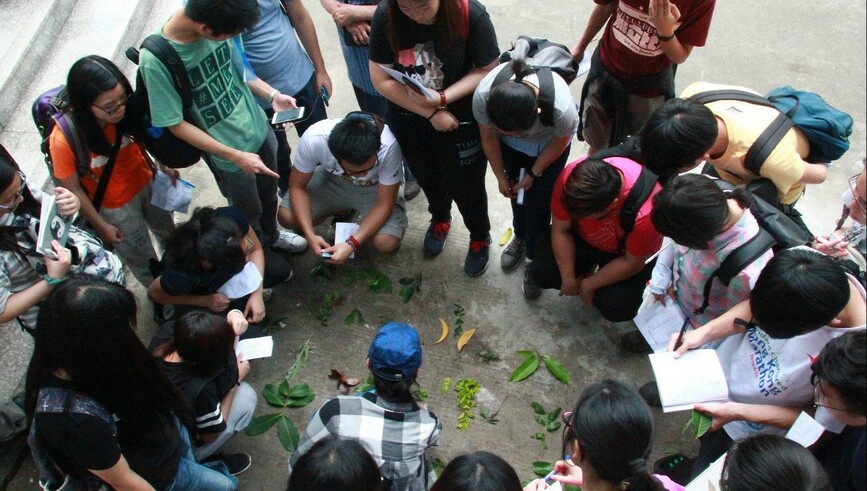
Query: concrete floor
(816, 46)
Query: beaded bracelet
(353, 242)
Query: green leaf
(445, 385)
(287, 433)
(701, 422)
(542, 419)
(420, 395)
(377, 281)
(541, 468)
(283, 389)
(302, 401)
(526, 354)
(273, 396)
(406, 293)
(537, 408)
(538, 436)
(525, 369)
(298, 391)
(557, 369)
(324, 270)
(354, 317)
(351, 275)
(438, 465)
(552, 416)
(261, 424)
(365, 385)
(552, 426)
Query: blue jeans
(193, 476)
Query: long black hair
(87, 79)
(205, 237)
(8, 170)
(86, 329)
(334, 463)
(513, 105)
(772, 462)
(478, 471)
(204, 340)
(449, 23)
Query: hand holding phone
(280, 118)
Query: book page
(709, 479)
(805, 430)
(695, 377)
(658, 322)
(52, 226)
(342, 231)
(254, 348)
(171, 197)
(411, 83)
(243, 283)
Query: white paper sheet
(243, 283)
(806, 430)
(555, 487)
(709, 479)
(695, 377)
(411, 83)
(342, 231)
(256, 347)
(658, 322)
(52, 226)
(171, 198)
(584, 64)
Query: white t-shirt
(313, 150)
(763, 370)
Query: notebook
(695, 377)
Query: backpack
(826, 128)
(545, 58)
(59, 400)
(170, 150)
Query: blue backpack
(826, 128)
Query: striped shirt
(356, 57)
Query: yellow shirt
(744, 123)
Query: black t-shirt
(844, 457)
(77, 442)
(435, 64)
(176, 280)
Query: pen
(680, 336)
(186, 183)
(657, 253)
(553, 471)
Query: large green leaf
(541, 468)
(526, 354)
(273, 396)
(552, 416)
(537, 408)
(287, 433)
(301, 402)
(557, 369)
(261, 424)
(524, 370)
(298, 391)
(701, 422)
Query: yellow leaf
(445, 333)
(465, 338)
(506, 236)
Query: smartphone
(324, 93)
(289, 116)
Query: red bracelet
(353, 242)
(442, 99)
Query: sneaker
(236, 463)
(289, 242)
(477, 257)
(677, 467)
(529, 287)
(435, 237)
(634, 342)
(411, 189)
(267, 293)
(512, 255)
(650, 393)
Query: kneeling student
(353, 163)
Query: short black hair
(355, 138)
(798, 291)
(335, 463)
(394, 391)
(590, 188)
(676, 135)
(772, 462)
(224, 16)
(843, 365)
(513, 105)
(478, 471)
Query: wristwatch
(52, 280)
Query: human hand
(173, 174)
(283, 102)
(505, 186)
(255, 310)
(343, 15)
(587, 293)
(339, 253)
(421, 100)
(217, 302)
(568, 473)
(721, 414)
(251, 163)
(664, 15)
(831, 245)
(317, 244)
(324, 80)
(238, 322)
(444, 120)
(110, 234)
(67, 202)
(693, 339)
(57, 265)
(524, 183)
(660, 297)
(360, 32)
(243, 367)
(570, 286)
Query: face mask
(848, 198)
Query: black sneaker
(529, 287)
(477, 257)
(512, 255)
(677, 467)
(650, 393)
(634, 342)
(435, 237)
(235, 462)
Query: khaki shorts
(597, 120)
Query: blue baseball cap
(395, 353)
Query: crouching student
(403, 430)
(197, 353)
(772, 462)
(353, 163)
(336, 463)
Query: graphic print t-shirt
(222, 106)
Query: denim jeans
(192, 476)
(243, 406)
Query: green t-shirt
(223, 105)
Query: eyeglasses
(355, 173)
(862, 204)
(247, 245)
(116, 107)
(12, 203)
(819, 397)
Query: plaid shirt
(395, 434)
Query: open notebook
(695, 377)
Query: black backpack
(545, 58)
(161, 143)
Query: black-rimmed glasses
(12, 203)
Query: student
(514, 139)
(197, 353)
(706, 224)
(335, 463)
(98, 93)
(632, 71)
(350, 163)
(849, 240)
(770, 462)
(608, 438)
(448, 46)
(840, 382)
(801, 301)
(227, 124)
(404, 430)
(585, 233)
(206, 252)
(102, 410)
(478, 471)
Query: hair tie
(637, 466)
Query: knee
(244, 402)
(615, 305)
(386, 243)
(285, 218)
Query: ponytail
(513, 105)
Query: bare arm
(563, 245)
(122, 478)
(778, 416)
(814, 173)
(491, 146)
(718, 328)
(107, 232)
(217, 302)
(664, 16)
(306, 30)
(595, 23)
(20, 302)
(247, 161)
(386, 196)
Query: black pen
(680, 336)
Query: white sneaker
(289, 242)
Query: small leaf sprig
(466, 389)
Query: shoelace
(478, 245)
(440, 230)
